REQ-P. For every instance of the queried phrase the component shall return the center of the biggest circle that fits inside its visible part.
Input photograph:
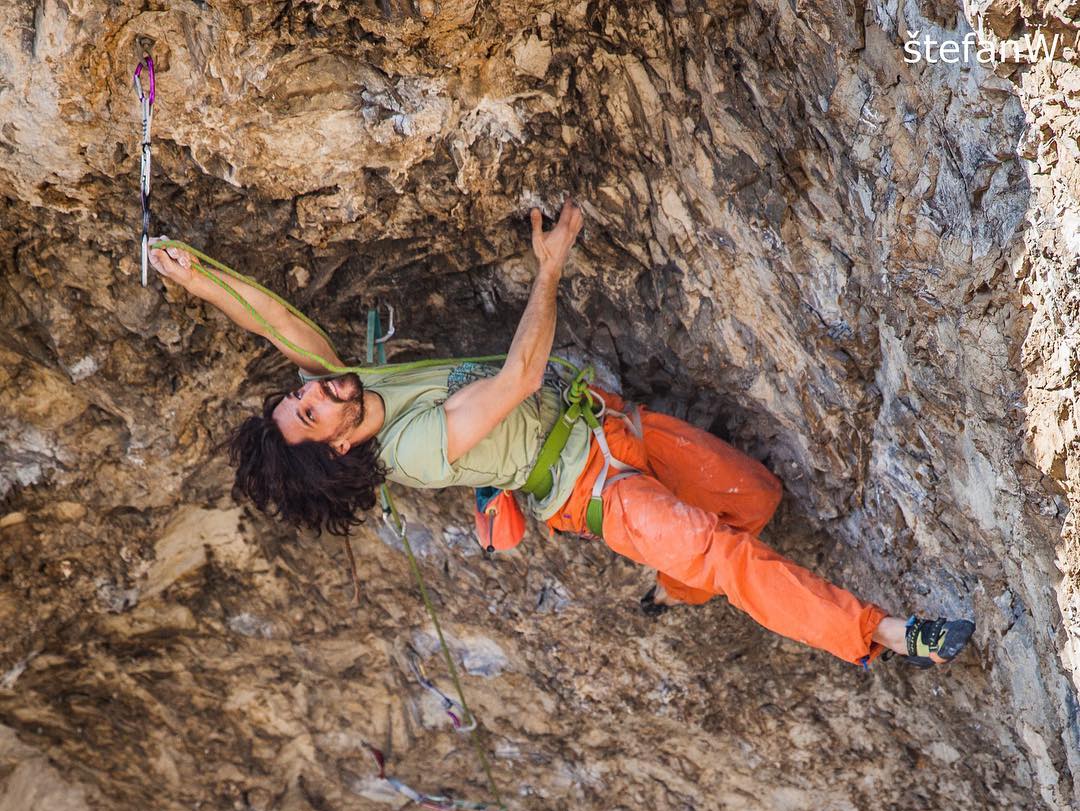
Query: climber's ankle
(890, 633)
(661, 597)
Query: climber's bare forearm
(205, 289)
(523, 372)
(473, 411)
(531, 346)
(283, 322)
(177, 265)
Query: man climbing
(691, 507)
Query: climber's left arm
(175, 264)
(473, 411)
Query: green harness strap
(581, 405)
(540, 480)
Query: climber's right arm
(175, 264)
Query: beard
(344, 389)
(348, 391)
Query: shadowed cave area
(856, 269)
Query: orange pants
(693, 515)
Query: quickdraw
(376, 349)
(436, 802)
(452, 708)
(146, 102)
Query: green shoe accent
(944, 637)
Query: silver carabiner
(146, 103)
(449, 704)
(399, 528)
(390, 330)
(603, 404)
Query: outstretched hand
(553, 247)
(172, 263)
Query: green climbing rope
(390, 511)
(271, 332)
(396, 522)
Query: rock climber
(691, 509)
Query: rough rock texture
(856, 269)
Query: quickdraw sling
(146, 105)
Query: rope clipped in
(396, 523)
(314, 357)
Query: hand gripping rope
(146, 101)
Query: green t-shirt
(413, 442)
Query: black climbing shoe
(944, 637)
(650, 607)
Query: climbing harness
(437, 802)
(594, 514)
(581, 403)
(452, 708)
(146, 102)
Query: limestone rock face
(858, 269)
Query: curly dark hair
(307, 484)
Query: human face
(322, 411)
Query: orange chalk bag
(500, 524)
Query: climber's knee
(681, 592)
(772, 493)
